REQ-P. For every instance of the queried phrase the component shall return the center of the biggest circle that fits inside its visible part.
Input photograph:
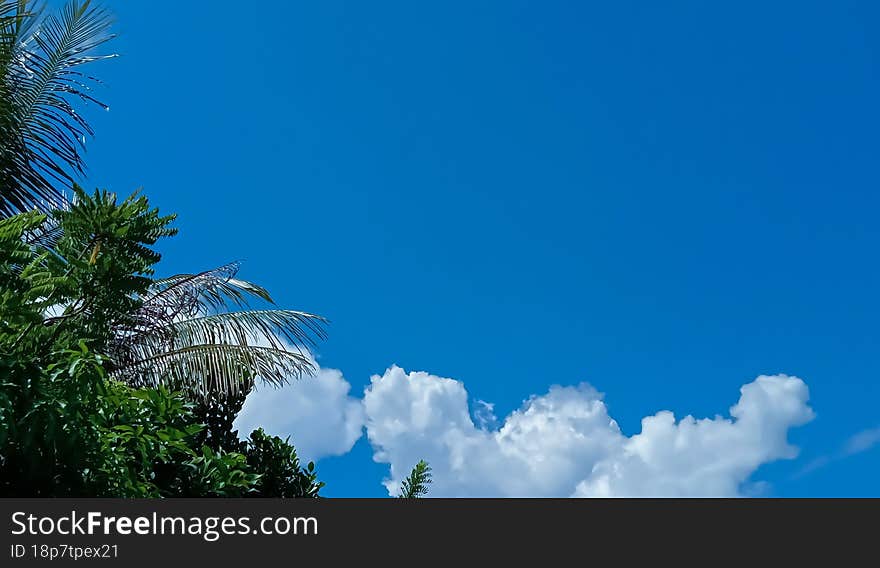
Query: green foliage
(100, 266)
(48, 439)
(15, 253)
(275, 459)
(278, 464)
(416, 483)
(149, 439)
(113, 383)
(217, 474)
(67, 431)
(67, 428)
(217, 412)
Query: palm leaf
(43, 135)
(180, 335)
(262, 344)
(203, 292)
(202, 369)
(47, 234)
(416, 483)
(280, 329)
(249, 327)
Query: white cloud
(316, 412)
(561, 443)
(565, 443)
(857, 443)
(707, 457)
(862, 442)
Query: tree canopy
(113, 382)
(70, 423)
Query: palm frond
(182, 335)
(251, 327)
(202, 369)
(416, 483)
(43, 133)
(46, 235)
(204, 292)
(264, 345)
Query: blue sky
(664, 201)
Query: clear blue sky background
(663, 199)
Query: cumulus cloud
(708, 457)
(565, 443)
(560, 443)
(316, 412)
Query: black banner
(230, 532)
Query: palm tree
(42, 135)
(181, 335)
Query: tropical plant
(169, 331)
(67, 426)
(416, 483)
(92, 348)
(280, 472)
(179, 335)
(42, 134)
(178, 330)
